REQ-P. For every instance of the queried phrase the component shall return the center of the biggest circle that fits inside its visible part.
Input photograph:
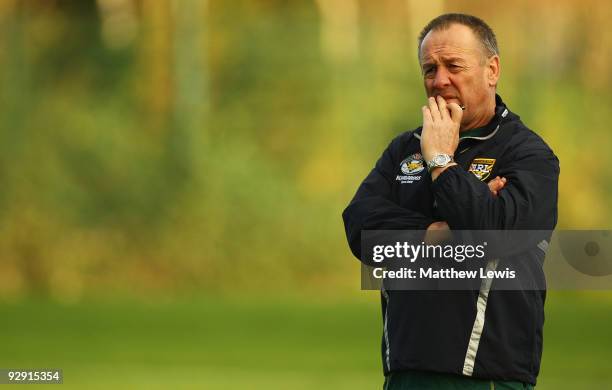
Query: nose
(441, 79)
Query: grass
(286, 343)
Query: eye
(429, 70)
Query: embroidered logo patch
(413, 164)
(410, 167)
(482, 167)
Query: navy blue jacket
(437, 330)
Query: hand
(441, 123)
(438, 226)
(437, 232)
(497, 184)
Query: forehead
(456, 41)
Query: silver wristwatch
(439, 161)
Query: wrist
(437, 171)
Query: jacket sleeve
(527, 202)
(374, 205)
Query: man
(461, 339)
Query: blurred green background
(173, 174)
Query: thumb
(456, 112)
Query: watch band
(439, 161)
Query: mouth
(448, 98)
(453, 99)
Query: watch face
(441, 159)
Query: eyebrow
(429, 62)
(453, 59)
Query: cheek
(473, 87)
(428, 83)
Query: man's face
(455, 67)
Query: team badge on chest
(482, 167)
(410, 167)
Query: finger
(426, 114)
(456, 112)
(444, 114)
(494, 185)
(433, 107)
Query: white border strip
(543, 245)
(479, 322)
(486, 137)
(385, 331)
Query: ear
(493, 70)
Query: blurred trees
(187, 145)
